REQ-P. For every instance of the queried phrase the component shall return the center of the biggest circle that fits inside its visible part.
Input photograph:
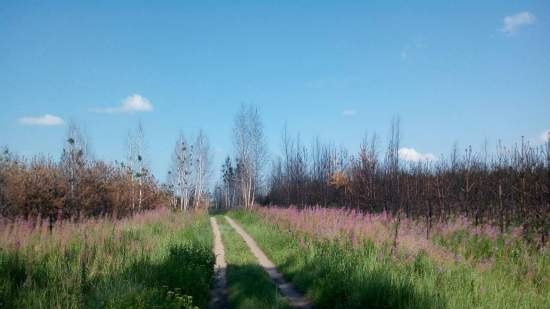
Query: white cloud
(44, 120)
(349, 112)
(410, 154)
(133, 103)
(545, 136)
(511, 24)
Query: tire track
(295, 298)
(218, 292)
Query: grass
(161, 259)
(339, 273)
(517, 271)
(157, 259)
(249, 287)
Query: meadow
(343, 259)
(154, 259)
(465, 232)
(275, 154)
(339, 258)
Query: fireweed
(155, 258)
(331, 223)
(341, 259)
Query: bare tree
(136, 164)
(250, 151)
(74, 159)
(171, 185)
(393, 179)
(202, 166)
(181, 171)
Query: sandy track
(218, 292)
(295, 298)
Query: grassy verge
(249, 287)
(157, 259)
(337, 274)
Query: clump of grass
(339, 272)
(249, 287)
(156, 259)
(509, 262)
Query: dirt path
(295, 298)
(218, 293)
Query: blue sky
(462, 72)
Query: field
(336, 258)
(157, 259)
(458, 269)
(275, 155)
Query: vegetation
(77, 186)
(155, 259)
(188, 173)
(507, 188)
(468, 231)
(241, 184)
(337, 271)
(249, 286)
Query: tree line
(77, 185)
(507, 187)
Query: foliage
(40, 187)
(507, 188)
(155, 259)
(337, 272)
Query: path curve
(295, 298)
(218, 292)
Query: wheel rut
(218, 292)
(295, 298)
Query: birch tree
(181, 171)
(74, 158)
(136, 164)
(250, 152)
(202, 164)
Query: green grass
(518, 271)
(335, 274)
(158, 261)
(249, 286)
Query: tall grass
(342, 270)
(154, 259)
